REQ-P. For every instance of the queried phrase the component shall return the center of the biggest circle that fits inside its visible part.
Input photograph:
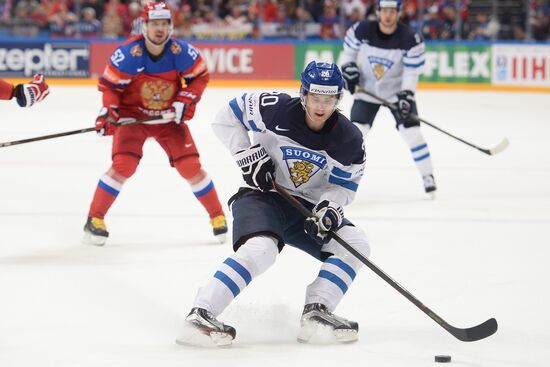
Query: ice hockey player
(385, 57)
(149, 75)
(314, 152)
(28, 94)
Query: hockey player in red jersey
(28, 94)
(149, 75)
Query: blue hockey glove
(350, 74)
(405, 102)
(258, 168)
(327, 216)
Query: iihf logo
(302, 164)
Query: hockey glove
(105, 122)
(33, 92)
(184, 105)
(350, 74)
(405, 102)
(327, 216)
(258, 168)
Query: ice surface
(480, 250)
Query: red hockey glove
(105, 122)
(184, 105)
(33, 92)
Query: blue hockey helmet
(389, 4)
(322, 78)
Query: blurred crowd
(239, 19)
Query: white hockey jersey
(388, 63)
(312, 165)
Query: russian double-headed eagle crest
(157, 95)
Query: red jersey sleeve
(196, 77)
(6, 90)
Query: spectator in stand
(269, 10)
(354, 6)
(97, 5)
(282, 17)
(183, 22)
(485, 30)
(89, 26)
(236, 18)
(117, 7)
(510, 29)
(447, 31)
(63, 22)
(355, 16)
(330, 22)
(302, 15)
(22, 23)
(135, 20)
(211, 17)
(5, 10)
(113, 25)
(315, 8)
(539, 18)
(432, 24)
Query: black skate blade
(192, 336)
(318, 333)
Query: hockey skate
(201, 322)
(429, 185)
(95, 232)
(219, 227)
(316, 318)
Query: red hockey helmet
(153, 10)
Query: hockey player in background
(150, 75)
(314, 152)
(386, 58)
(28, 94)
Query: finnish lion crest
(302, 164)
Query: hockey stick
(166, 116)
(478, 332)
(495, 150)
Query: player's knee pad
(412, 136)
(258, 253)
(125, 164)
(188, 167)
(356, 238)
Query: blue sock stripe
(334, 279)
(204, 191)
(416, 149)
(422, 157)
(233, 287)
(107, 188)
(342, 265)
(241, 270)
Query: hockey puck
(443, 359)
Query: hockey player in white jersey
(385, 57)
(315, 153)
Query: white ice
(480, 250)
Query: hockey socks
(420, 153)
(206, 194)
(105, 194)
(237, 271)
(332, 282)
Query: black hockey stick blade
(475, 333)
(166, 116)
(478, 332)
(497, 149)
